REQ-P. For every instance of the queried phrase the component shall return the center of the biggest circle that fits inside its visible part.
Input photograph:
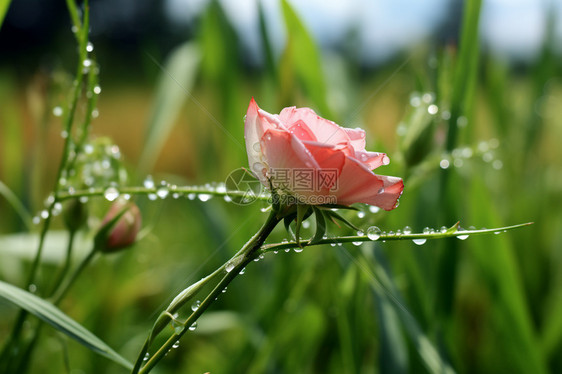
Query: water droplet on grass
(373, 233)
(195, 305)
(444, 164)
(111, 194)
(162, 192)
(204, 197)
(298, 249)
(407, 230)
(89, 47)
(97, 90)
(461, 237)
(176, 344)
(374, 209)
(420, 241)
(148, 182)
(194, 325)
(57, 111)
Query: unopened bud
(75, 215)
(120, 227)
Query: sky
(509, 28)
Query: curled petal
(357, 184)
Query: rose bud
(120, 227)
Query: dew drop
(357, 244)
(176, 344)
(305, 225)
(64, 134)
(242, 271)
(497, 164)
(148, 182)
(360, 214)
(407, 230)
(360, 233)
(87, 63)
(146, 357)
(89, 47)
(111, 194)
(419, 241)
(426, 230)
(432, 109)
(373, 233)
(195, 305)
(204, 197)
(298, 249)
(162, 192)
(57, 111)
(374, 209)
(461, 237)
(444, 164)
(57, 208)
(97, 90)
(194, 325)
(443, 229)
(385, 160)
(191, 196)
(36, 220)
(83, 199)
(44, 214)
(32, 288)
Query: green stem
(451, 232)
(66, 265)
(63, 289)
(231, 269)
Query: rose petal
(255, 124)
(326, 131)
(357, 184)
(331, 162)
(371, 160)
(357, 138)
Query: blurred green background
(464, 97)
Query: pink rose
(315, 160)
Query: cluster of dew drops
(457, 157)
(87, 65)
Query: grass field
(475, 139)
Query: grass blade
(55, 317)
(176, 80)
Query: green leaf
(303, 54)
(320, 225)
(302, 213)
(386, 290)
(55, 317)
(16, 204)
(4, 5)
(176, 80)
(337, 216)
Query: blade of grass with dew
(56, 318)
(494, 257)
(462, 97)
(175, 82)
(384, 287)
(304, 55)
